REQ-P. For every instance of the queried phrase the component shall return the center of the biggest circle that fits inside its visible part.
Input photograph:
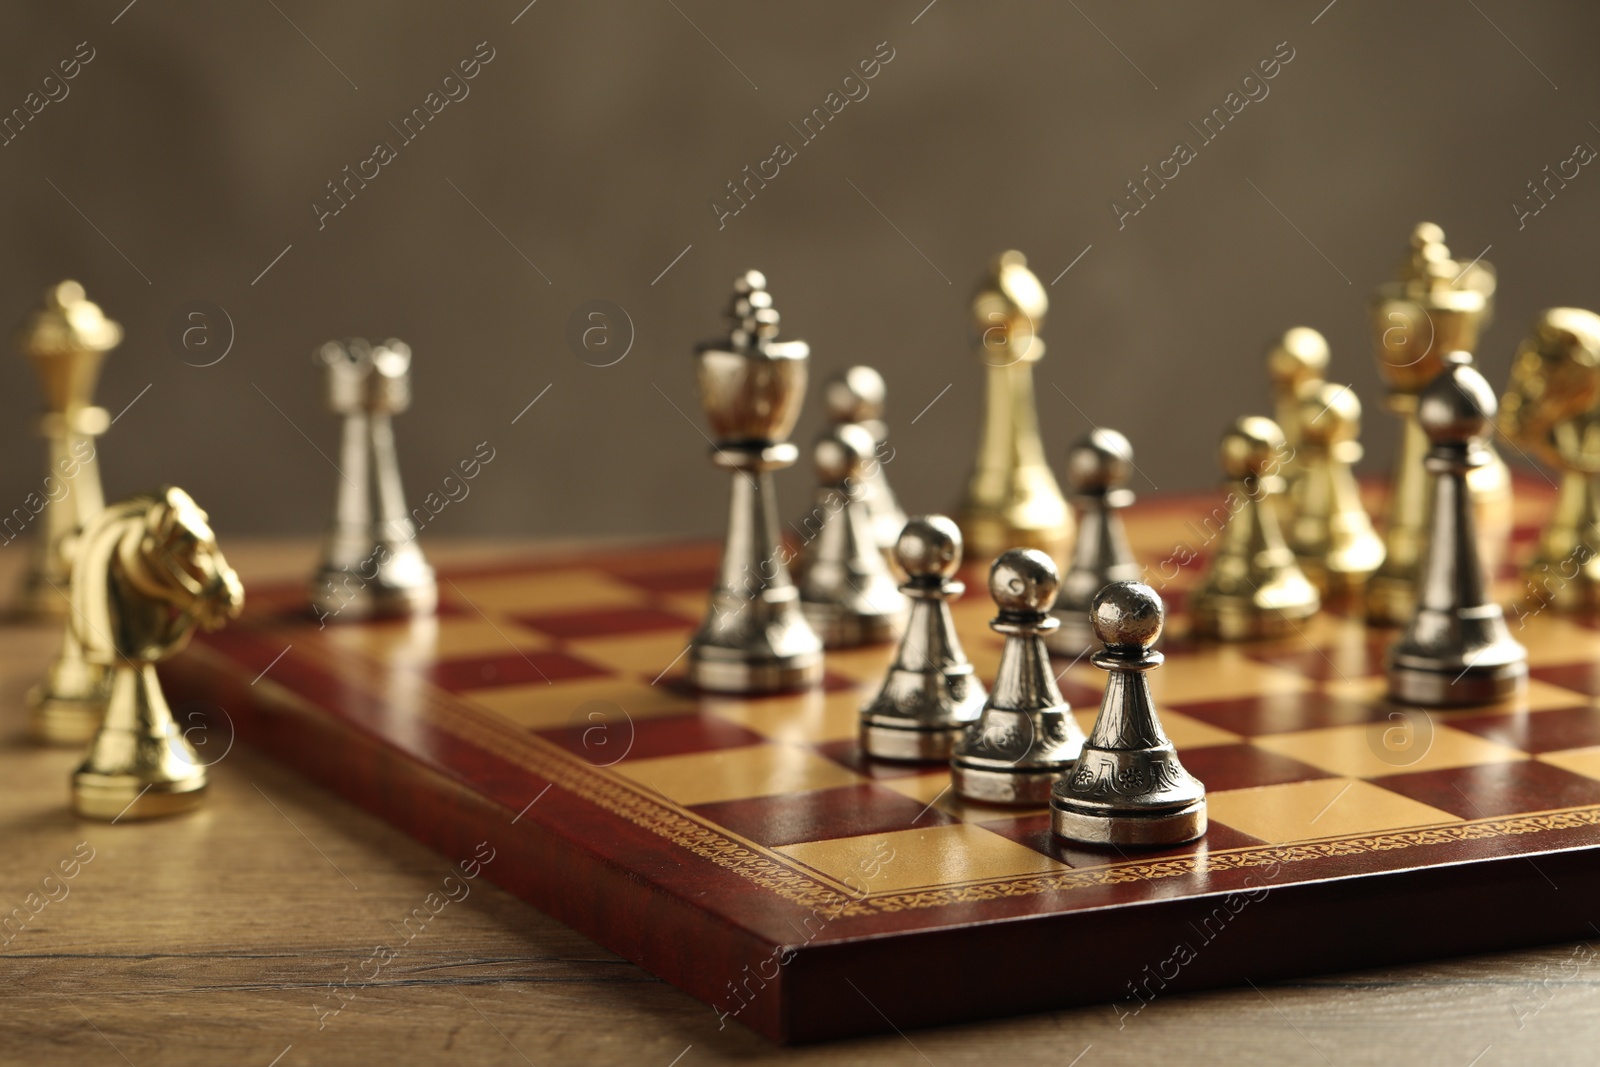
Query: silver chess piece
(1458, 649)
(370, 566)
(1128, 787)
(1099, 465)
(1026, 736)
(856, 395)
(931, 693)
(754, 638)
(846, 591)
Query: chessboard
(744, 850)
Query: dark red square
(1279, 713)
(1034, 832)
(848, 753)
(1496, 788)
(509, 668)
(1330, 662)
(577, 624)
(683, 580)
(1244, 766)
(605, 737)
(1580, 677)
(1537, 731)
(822, 814)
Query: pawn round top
(1099, 460)
(1127, 615)
(1024, 581)
(1300, 355)
(855, 395)
(1458, 405)
(841, 454)
(1253, 446)
(929, 547)
(1329, 414)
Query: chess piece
(1128, 787)
(1457, 649)
(1098, 467)
(1552, 409)
(1253, 588)
(754, 638)
(1297, 362)
(846, 591)
(66, 340)
(1026, 736)
(146, 572)
(1329, 531)
(370, 567)
(931, 694)
(856, 396)
(1012, 497)
(1437, 306)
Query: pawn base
(1136, 831)
(1488, 684)
(910, 744)
(988, 785)
(57, 721)
(727, 672)
(839, 628)
(115, 798)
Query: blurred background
(583, 162)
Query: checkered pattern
(1293, 738)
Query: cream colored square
(538, 706)
(865, 665)
(909, 859)
(647, 655)
(1363, 751)
(1218, 674)
(1539, 696)
(1554, 641)
(736, 773)
(425, 640)
(809, 716)
(1325, 807)
(539, 594)
(934, 789)
(689, 605)
(1584, 761)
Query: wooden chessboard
(744, 850)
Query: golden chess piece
(1329, 530)
(1296, 362)
(1436, 307)
(146, 572)
(1253, 587)
(66, 339)
(1012, 498)
(1552, 408)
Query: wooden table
(212, 939)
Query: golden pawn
(146, 572)
(66, 340)
(1552, 408)
(1297, 362)
(1012, 499)
(1437, 306)
(1253, 588)
(1330, 533)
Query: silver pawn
(1128, 787)
(370, 567)
(1457, 649)
(846, 591)
(931, 693)
(1026, 737)
(855, 395)
(1099, 465)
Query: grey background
(195, 142)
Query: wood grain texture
(217, 937)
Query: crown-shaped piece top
(1435, 306)
(752, 384)
(66, 338)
